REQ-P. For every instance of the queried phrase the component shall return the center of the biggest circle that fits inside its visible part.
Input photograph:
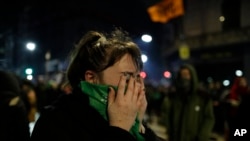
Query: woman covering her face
(108, 99)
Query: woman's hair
(97, 51)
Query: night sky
(57, 26)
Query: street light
(31, 46)
(238, 73)
(28, 71)
(29, 59)
(146, 38)
(144, 58)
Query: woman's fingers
(136, 91)
(130, 88)
(111, 96)
(121, 87)
(142, 101)
(123, 108)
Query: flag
(166, 10)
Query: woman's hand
(143, 106)
(123, 106)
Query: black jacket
(14, 124)
(72, 119)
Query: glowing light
(226, 82)
(144, 58)
(146, 38)
(167, 74)
(29, 77)
(238, 73)
(143, 74)
(221, 18)
(31, 46)
(28, 71)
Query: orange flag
(166, 10)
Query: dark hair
(97, 51)
(9, 82)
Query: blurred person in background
(108, 99)
(237, 101)
(219, 107)
(47, 91)
(243, 117)
(64, 86)
(30, 99)
(14, 124)
(187, 110)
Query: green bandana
(98, 96)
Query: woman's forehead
(126, 63)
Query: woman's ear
(90, 76)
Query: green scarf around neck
(98, 96)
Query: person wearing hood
(14, 124)
(187, 110)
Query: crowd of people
(192, 111)
(104, 95)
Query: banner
(166, 10)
